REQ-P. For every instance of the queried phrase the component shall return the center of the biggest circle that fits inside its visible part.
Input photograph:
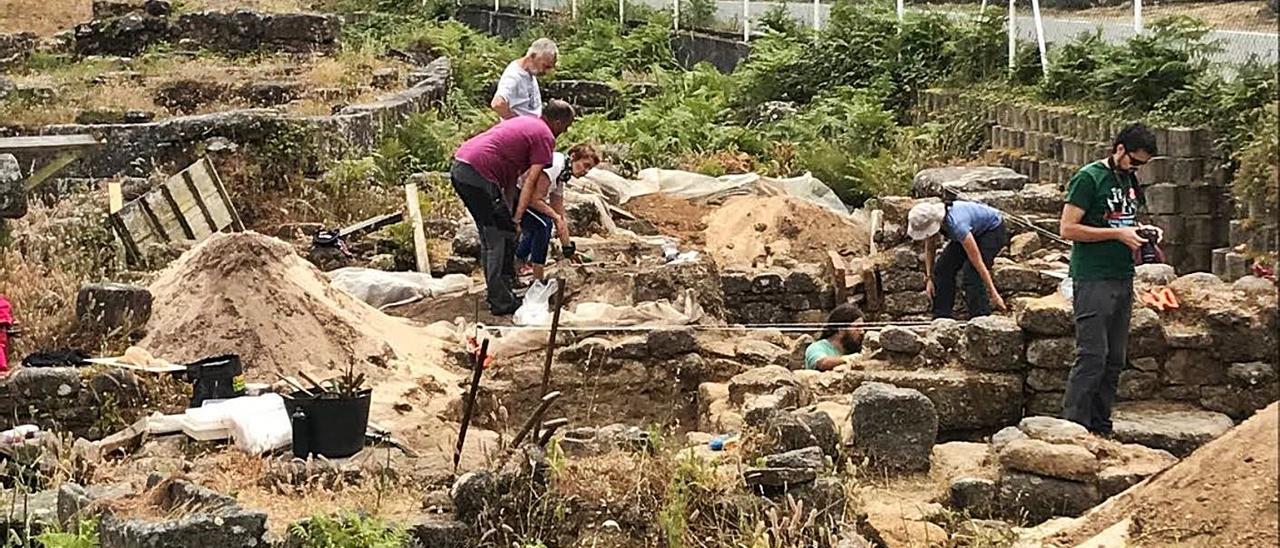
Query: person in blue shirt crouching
(976, 233)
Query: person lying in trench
(975, 235)
(838, 341)
(541, 209)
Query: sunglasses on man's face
(1135, 162)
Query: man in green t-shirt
(1100, 217)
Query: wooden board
(191, 205)
(37, 143)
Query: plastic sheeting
(693, 186)
(384, 289)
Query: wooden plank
(38, 143)
(165, 217)
(115, 197)
(415, 220)
(372, 224)
(204, 188)
(192, 210)
(236, 223)
(131, 252)
(187, 233)
(137, 223)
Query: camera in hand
(1148, 249)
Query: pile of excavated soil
(672, 216)
(1224, 494)
(739, 231)
(251, 295)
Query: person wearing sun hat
(976, 233)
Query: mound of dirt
(672, 216)
(251, 295)
(739, 231)
(1224, 494)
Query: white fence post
(497, 6)
(622, 16)
(983, 9)
(816, 11)
(574, 9)
(1137, 16)
(746, 20)
(533, 7)
(1012, 24)
(675, 14)
(901, 9)
(1035, 16)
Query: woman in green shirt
(837, 340)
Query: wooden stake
(477, 367)
(115, 197)
(558, 303)
(415, 219)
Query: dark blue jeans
(535, 237)
(483, 199)
(952, 261)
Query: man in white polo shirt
(518, 93)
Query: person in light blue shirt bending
(838, 340)
(976, 233)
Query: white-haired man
(518, 93)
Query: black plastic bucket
(335, 426)
(216, 378)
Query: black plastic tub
(335, 426)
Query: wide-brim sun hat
(925, 220)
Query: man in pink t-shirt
(485, 174)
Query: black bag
(57, 358)
(216, 378)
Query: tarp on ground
(695, 186)
(381, 289)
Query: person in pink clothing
(486, 171)
(6, 323)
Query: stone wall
(135, 149)
(799, 295)
(82, 401)
(240, 31)
(1186, 190)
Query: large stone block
(1162, 199)
(216, 520)
(1146, 334)
(907, 303)
(1203, 230)
(113, 307)
(1187, 143)
(1062, 461)
(1174, 427)
(1240, 336)
(932, 181)
(1138, 385)
(761, 380)
(974, 496)
(1047, 380)
(893, 428)
(965, 401)
(994, 343)
(1194, 367)
(1013, 278)
(1039, 498)
(669, 281)
(1050, 315)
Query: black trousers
(952, 261)
(483, 200)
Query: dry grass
(1227, 15)
(122, 85)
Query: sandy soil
(1224, 494)
(739, 232)
(671, 216)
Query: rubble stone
(669, 343)
(1040, 498)
(1023, 245)
(1250, 285)
(442, 533)
(757, 352)
(1015, 279)
(983, 532)
(1057, 353)
(1050, 315)
(824, 495)
(809, 457)
(1155, 274)
(670, 280)
(965, 401)
(1005, 436)
(472, 494)
(13, 196)
(1047, 380)
(1068, 462)
(768, 480)
(968, 179)
(760, 380)
(908, 303)
(218, 521)
(1052, 430)
(113, 307)
(1146, 334)
(1176, 428)
(974, 496)
(994, 343)
(900, 340)
(1194, 367)
(1240, 336)
(1138, 385)
(1045, 403)
(759, 409)
(823, 430)
(894, 428)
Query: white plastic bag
(258, 424)
(536, 308)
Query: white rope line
(803, 328)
